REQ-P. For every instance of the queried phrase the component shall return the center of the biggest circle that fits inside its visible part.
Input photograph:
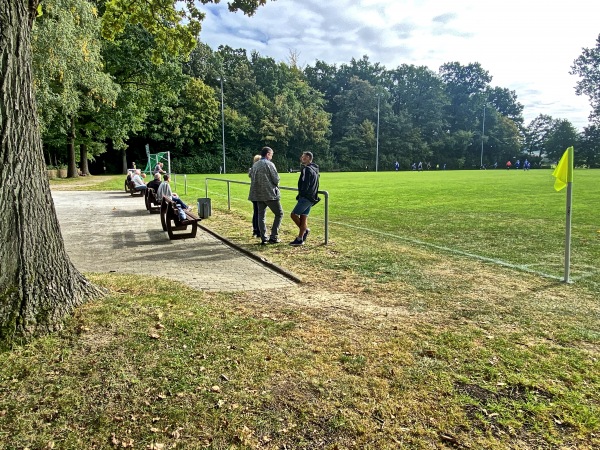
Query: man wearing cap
(308, 187)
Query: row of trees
(100, 95)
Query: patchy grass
(147, 367)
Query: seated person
(164, 190)
(137, 181)
(155, 183)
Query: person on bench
(155, 183)
(137, 181)
(164, 190)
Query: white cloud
(527, 46)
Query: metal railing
(324, 193)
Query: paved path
(107, 231)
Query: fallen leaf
(159, 326)
(127, 443)
(154, 335)
(215, 388)
(176, 434)
(156, 446)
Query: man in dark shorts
(308, 187)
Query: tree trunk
(72, 168)
(83, 161)
(124, 161)
(39, 286)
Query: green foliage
(174, 29)
(165, 99)
(587, 66)
(70, 80)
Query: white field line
(521, 267)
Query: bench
(133, 191)
(152, 205)
(169, 219)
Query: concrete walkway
(112, 232)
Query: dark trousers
(255, 227)
(277, 210)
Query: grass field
(513, 217)
(391, 342)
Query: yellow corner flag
(564, 170)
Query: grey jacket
(264, 180)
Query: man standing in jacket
(264, 190)
(308, 187)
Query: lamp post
(377, 146)
(482, 136)
(223, 123)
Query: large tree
(587, 66)
(70, 83)
(39, 286)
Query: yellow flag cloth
(564, 170)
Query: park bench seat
(152, 205)
(133, 191)
(171, 223)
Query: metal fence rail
(324, 193)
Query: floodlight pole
(223, 123)
(482, 136)
(377, 147)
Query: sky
(527, 46)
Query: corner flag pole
(568, 232)
(564, 178)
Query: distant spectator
(397, 166)
(158, 169)
(308, 187)
(264, 189)
(255, 227)
(508, 165)
(139, 184)
(155, 183)
(164, 190)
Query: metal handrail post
(228, 195)
(326, 194)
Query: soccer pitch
(511, 218)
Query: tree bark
(39, 286)
(83, 160)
